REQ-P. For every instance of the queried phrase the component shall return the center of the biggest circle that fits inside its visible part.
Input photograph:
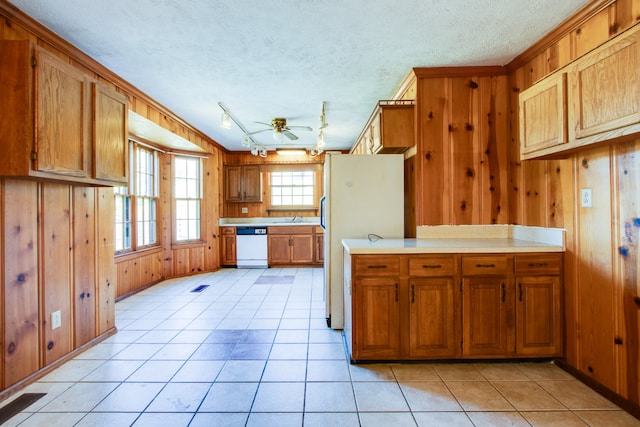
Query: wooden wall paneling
(56, 269)
(515, 185)
(626, 14)
(537, 68)
(627, 255)
(166, 208)
(534, 192)
(196, 260)
(9, 30)
(432, 195)
(106, 274)
(493, 133)
(410, 197)
(124, 278)
(84, 264)
(592, 33)
(560, 214)
(464, 161)
(595, 278)
(181, 261)
(20, 277)
(211, 212)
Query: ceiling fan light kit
(279, 129)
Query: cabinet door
(279, 249)
(605, 88)
(110, 153)
(538, 316)
(487, 304)
(302, 248)
(376, 323)
(319, 248)
(233, 183)
(543, 114)
(62, 117)
(433, 318)
(228, 251)
(251, 184)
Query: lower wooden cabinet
(403, 307)
(290, 245)
(228, 246)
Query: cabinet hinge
(617, 340)
(34, 62)
(34, 156)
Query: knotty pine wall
(601, 262)
(260, 209)
(56, 240)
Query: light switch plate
(586, 200)
(245, 210)
(56, 319)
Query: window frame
(132, 195)
(200, 200)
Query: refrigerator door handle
(322, 216)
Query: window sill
(125, 256)
(188, 244)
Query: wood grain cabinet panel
(290, 245)
(52, 126)
(487, 307)
(543, 114)
(538, 316)
(433, 314)
(110, 135)
(376, 318)
(389, 129)
(605, 88)
(228, 246)
(243, 183)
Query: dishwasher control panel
(246, 230)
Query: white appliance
(251, 247)
(363, 195)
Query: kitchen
(600, 268)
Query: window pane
(295, 188)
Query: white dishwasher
(251, 247)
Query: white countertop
(269, 222)
(466, 239)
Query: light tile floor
(253, 349)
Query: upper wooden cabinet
(243, 183)
(602, 101)
(389, 129)
(54, 125)
(543, 114)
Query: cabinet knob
(520, 288)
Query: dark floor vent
(200, 288)
(19, 404)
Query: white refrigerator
(363, 194)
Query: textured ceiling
(282, 58)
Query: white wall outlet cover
(245, 210)
(56, 319)
(586, 199)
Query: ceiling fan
(279, 127)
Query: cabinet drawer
(228, 230)
(290, 229)
(430, 266)
(486, 265)
(543, 264)
(367, 265)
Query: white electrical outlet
(245, 210)
(56, 319)
(586, 201)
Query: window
(188, 195)
(292, 188)
(123, 218)
(138, 200)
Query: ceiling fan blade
(257, 131)
(301, 127)
(266, 124)
(289, 135)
